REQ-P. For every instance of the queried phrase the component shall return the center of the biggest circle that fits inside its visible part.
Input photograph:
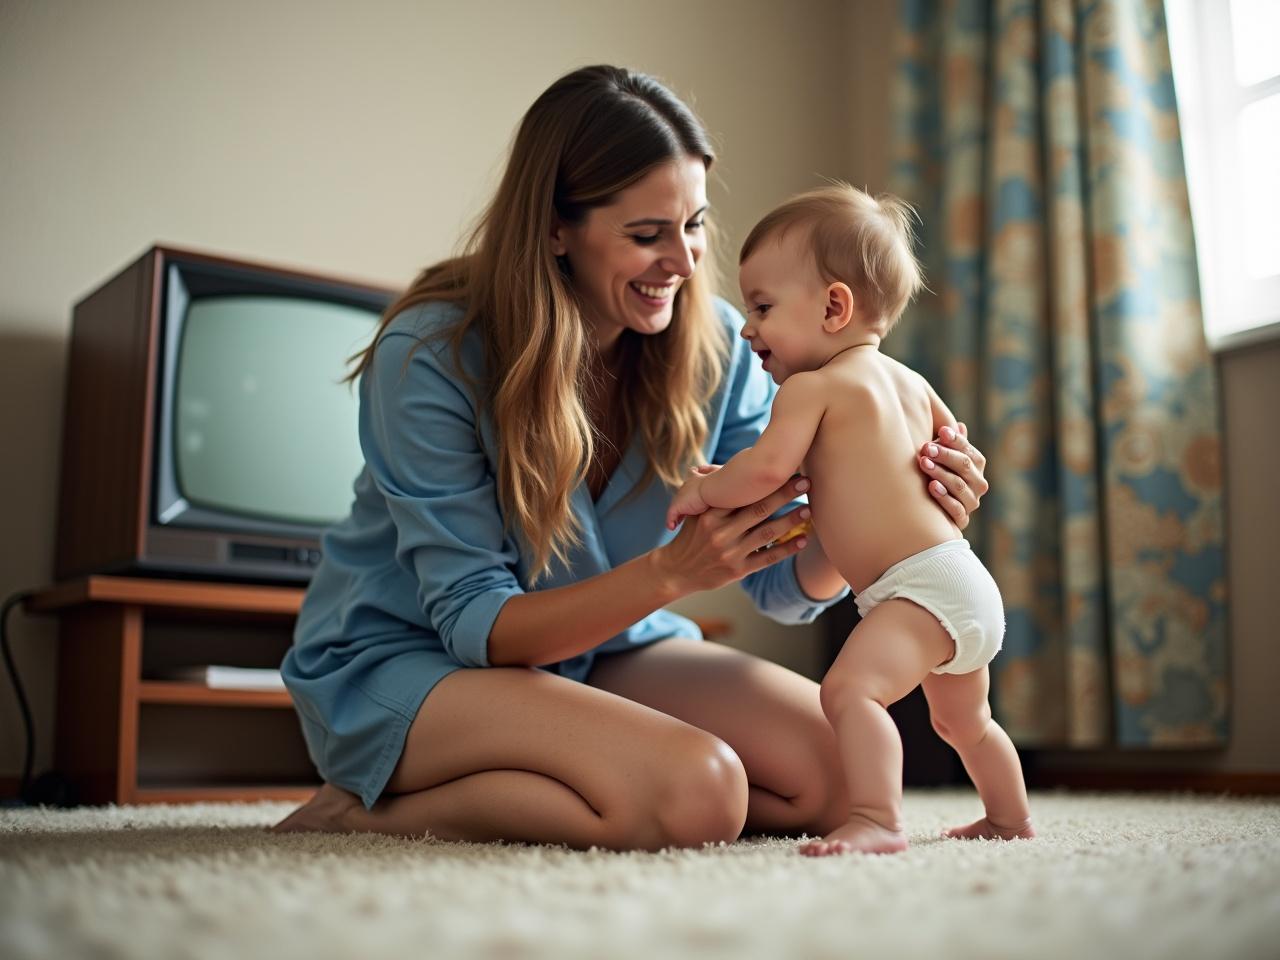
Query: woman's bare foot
(984, 829)
(859, 835)
(326, 811)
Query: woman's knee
(700, 794)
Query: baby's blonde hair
(857, 239)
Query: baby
(824, 277)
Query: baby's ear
(840, 307)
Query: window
(1226, 68)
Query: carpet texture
(1109, 876)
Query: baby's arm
(754, 473)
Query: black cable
(25, 789)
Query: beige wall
(1251, 403)
(353, 138)
(360, 140)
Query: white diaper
(951, 583)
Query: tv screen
(257, 431)
(262, 424)
(207, 431)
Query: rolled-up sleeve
(418, 430)
(775, 590)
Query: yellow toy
(794, 532)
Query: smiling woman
(555, 277)
(630, 266)
(484, 651)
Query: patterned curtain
(1039, 141)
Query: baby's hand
(688, 501)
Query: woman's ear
(559, 237)
(840, 308)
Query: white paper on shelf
(229, 678)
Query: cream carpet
(1110, 876)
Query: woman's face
(629, 258)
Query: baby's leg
(962, 716)
(884, 659)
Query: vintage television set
(206, 431)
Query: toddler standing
(824, 277)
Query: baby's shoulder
(873, 383)
(906, 381)
(801, 392)
(857, 373)
(804, 382)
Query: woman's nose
(680, 259)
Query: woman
(526, 411)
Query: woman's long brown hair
(591, 134)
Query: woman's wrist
(665, 583)
(530, 628)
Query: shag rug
(1110, 875)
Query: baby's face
(785, 302)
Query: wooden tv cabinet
(125, 736)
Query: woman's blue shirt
(412, 580)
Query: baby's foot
(984, 829)
(326, 812)
(859, 835)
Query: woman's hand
(721, 546)
(954, 467)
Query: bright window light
(1255, 35)
(1226, 70)
(1260, 184)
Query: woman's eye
(645, 241)
(696, 225)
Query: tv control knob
(313, 557)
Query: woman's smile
(654, 294)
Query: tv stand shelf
(197, 595)
(167, 691)
(124, 735)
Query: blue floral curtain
(1039, 141)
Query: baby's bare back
(871, 507)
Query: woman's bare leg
(769, 715)
(512, 804)
(524, 755)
